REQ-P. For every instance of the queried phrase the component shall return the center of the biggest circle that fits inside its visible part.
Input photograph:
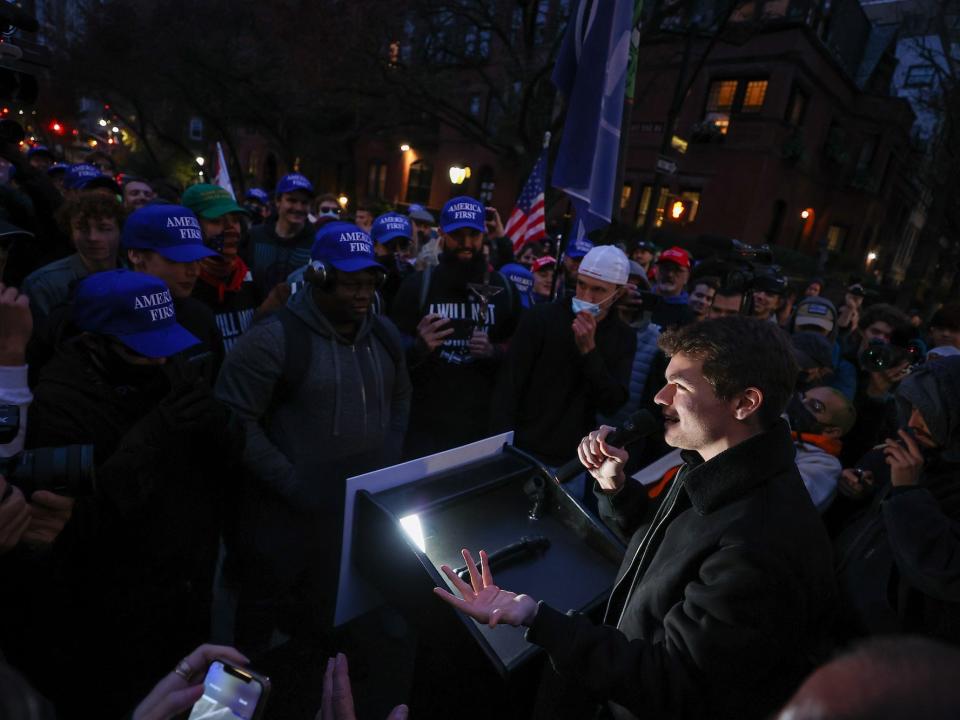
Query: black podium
(401, 536)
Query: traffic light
(677, 209)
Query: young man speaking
(722, 600)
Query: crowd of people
(226, 365)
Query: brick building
(792, 137)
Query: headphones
(324, 276)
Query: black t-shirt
(452, 389)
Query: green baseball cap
(209, 201)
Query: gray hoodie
(349, 414)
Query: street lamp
(115, 129)
(458, 174)
(405, 148)
(871, 256)
(805, 214)
(200, 161)
(343, 200)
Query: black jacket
(898, 563)
(719, 610)
(549, 393)
(132, 570)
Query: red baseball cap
(540, 263)
(675, 255)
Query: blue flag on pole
(591, 73)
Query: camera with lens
(64, 470)
(743, 268)
(880, 356)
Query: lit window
(625, 194)
(475, 105)
(691, 198)
(836, 236)
(720, 102)
(722, 93)
(644, 205)
(753, 96)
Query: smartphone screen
(228, 692)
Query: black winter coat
(549, 393)
(899, 561)
(722, 602)
(132, 570)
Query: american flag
(526, 222)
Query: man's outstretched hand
(484, 601)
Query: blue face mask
(579, 306)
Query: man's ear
(748, 403)
(135, 257)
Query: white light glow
(411, 526)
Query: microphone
(639, 425)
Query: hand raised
(603, 462)
(484, 601)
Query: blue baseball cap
(522, 279)
(135, 308)
(420, 214)
(258, 195)
(345, 246)
(41, 150)
(578, 248)
(293, 182)
(85, 177)
(170, 230)
(390, 226)
(57, 168)
(461, 212)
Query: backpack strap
(389, 341)
(297, 350)
(424, 288)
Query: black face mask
(801, 419)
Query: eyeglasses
(329, 210)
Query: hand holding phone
(182, 687)
(230, 691)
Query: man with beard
(283, 245)
(673, 272)
(454, 338)
(226, 283)
(393, 237)
(129, 586)
(323, 391)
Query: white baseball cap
(607, 263)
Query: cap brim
(356, 264)
(160, 343)
(100, 182)
(816, 322)
(390, 237)
(421, 217)
(220, 209)
(185, 253)
(453, 227)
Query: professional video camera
(63, 470)
(742, 268)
